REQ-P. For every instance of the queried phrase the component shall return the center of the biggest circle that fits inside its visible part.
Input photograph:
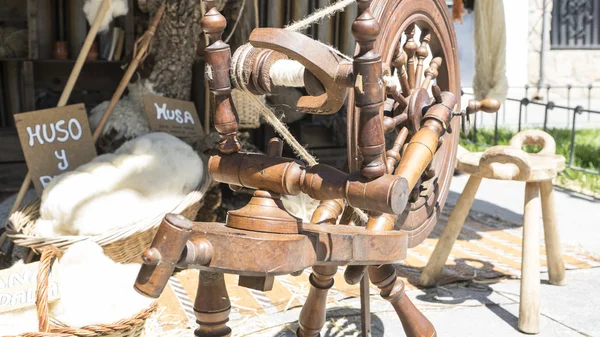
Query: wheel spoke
(399, 63)
(431, 73)
(410, 47)
(422, 53)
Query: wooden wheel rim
(394, 17)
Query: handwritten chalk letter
(172, 116)
(55, 141)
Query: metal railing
(549, 106)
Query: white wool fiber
(117, 8)
(301, 206)
(93, 290)
(145, 177)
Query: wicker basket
(123, 245)
(130, 327)
(247, 109)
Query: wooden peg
(410, 47)
(431, 73)
(218, 63)
(422, 52)
(489, 105)
(369, 92)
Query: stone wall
(562, 67)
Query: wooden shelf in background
(10, 147)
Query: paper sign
(19, 283)
(173, 116)
(55, 141)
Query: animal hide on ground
(490, 50)
(128, 119)
(144, 178)
(117, 8)
(93, 290)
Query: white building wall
(523, 44)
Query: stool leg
(432, 271)
(529, 309)
(556, 265)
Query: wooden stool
(537, 170)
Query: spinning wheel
(394, 84)
(419, 65)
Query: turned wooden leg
(556, 265)
(432, 271)
(415, 324)
(312, 316)
(212, 306)
(529, 309)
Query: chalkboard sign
(176, 117)
(55, 141)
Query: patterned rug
(487, 248)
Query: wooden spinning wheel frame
(403, 188)
(397, 18)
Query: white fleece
(117, 8)
(145, 177)
(93, 290)
(128, 119)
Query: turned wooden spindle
(393, 154)
(422, 52)
(212, 306)
(218, 62)
(399, 63)
(410, 47)
(312, 316)
(396, 93)
(437, 94)
(390, 123)
(414, 323)
(431, 73)
(369, 92)
(328, 212)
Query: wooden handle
(489, 105)
(534, 137)
(493, 163)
